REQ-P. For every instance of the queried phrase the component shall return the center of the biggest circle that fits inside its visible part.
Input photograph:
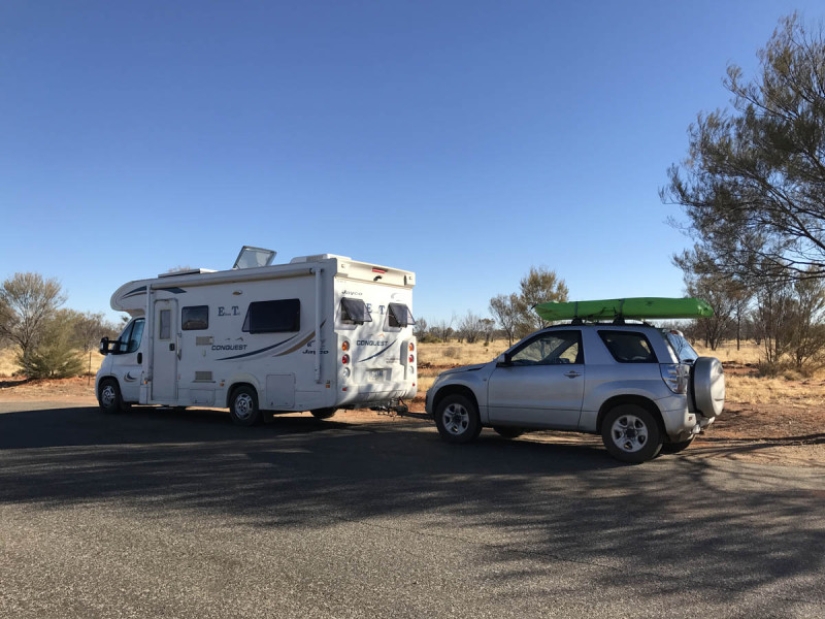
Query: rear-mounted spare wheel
(707, 386)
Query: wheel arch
(102, 380)
(230, 393)
(646, 403)
(449, 390)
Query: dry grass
(747, 354)
(435, 358)
(745, 385)
(8, 367)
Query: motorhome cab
(317, 334)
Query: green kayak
(635, 307)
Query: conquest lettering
(371, 342)
(229, 347)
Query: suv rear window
(628, 346)
(684, 351)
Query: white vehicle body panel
(201, 338)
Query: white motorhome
(317, 334)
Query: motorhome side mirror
(104, 346)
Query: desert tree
(421, 328)
(726, 296)
(789, 319)
(488, 329)
(752, 183)
(504, 311)
(28, 302)
(56, 353)
(87, 329)
(471, 327)
(515, 314)
(540, 285)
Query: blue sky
(465, 141)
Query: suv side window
(551, 348)
(628, 346)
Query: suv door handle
(572, 374)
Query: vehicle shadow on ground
(551, 502)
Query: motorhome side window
(400, 315)
(283, 315)
(195, 318)
(354, 312)
(131, 336)
(165, 324)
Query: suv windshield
(684, 351)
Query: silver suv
(644, 389)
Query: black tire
(630, 434)
(674, 448)
(243, 406)
(508, 431)
(323, 413)
(457, 420)
(109, 397)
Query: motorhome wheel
(243, 407)
(109, 397)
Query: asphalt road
(180, 514)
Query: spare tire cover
(708, 386)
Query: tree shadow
(523, 506)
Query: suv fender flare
(647, 404)
(448, 390)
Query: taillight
(345, 359)
(675, 376)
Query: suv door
(540, 384)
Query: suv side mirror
(503, 360)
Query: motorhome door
(165, 356)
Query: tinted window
(628, 346)
(279, 316)
(554, 348)
(400, 315)
(684, 351)
(195, 318)
(165, 324)
(354, 311)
